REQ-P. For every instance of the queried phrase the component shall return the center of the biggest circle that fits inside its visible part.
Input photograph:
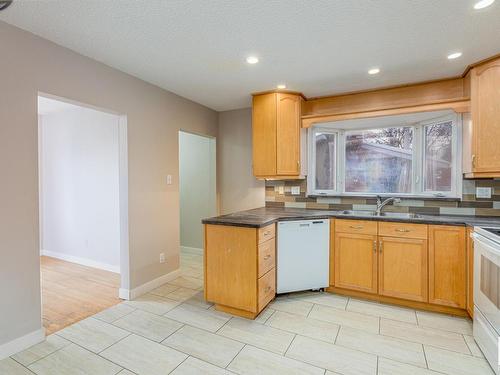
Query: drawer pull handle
(356, 226)
(402, 230)
(267, 290)
(267, 257)
(267, 233)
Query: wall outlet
(483, 192)
(295, 190)
(162, 257)
(169, 179)
(281, 190)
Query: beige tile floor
(172, 330)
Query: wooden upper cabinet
(288, 134)
(276, 121)
(482, 129)
(264, 135)
(447, 266)
(403, 268)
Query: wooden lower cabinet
(403, 268)
(447, 265)
(470, 272)
(240, 273)
(356, 261)
(416, 265)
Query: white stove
(486, 325)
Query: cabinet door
(231, 266)
(356, 262)
(447, 273)
(288, 134)
(332, 252)
(264, 135)
(485, 107)
(470, 273)
(403, 268)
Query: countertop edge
(432, 220)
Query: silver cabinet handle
(267, 290)
(267, 257)
(404, 230)
(267, 233)
(374, 246)
(380, 246)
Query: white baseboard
(191, 250)
(128, 294)
(22, 343)
(82, 261)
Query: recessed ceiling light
(281, 87)
(252, 60)
(374, 71)
(483, 4)
(454, 55)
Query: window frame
(311, 177)
(418, 161)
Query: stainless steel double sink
(397, 215)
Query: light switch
(295, 190)
(483, 192)
(169, 179)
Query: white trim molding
(191, 250)
(22, 343)
(82, 261)
(129, 294)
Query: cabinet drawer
(405, 230)
(356, 226)
(267, 256)
(266, 233)
(266, 288)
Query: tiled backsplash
(469, 205)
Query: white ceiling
(197, 48)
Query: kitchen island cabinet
(240, 273)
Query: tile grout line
(337, 335)
(109, 346)
(467, 345)
(269, 317)
(289, 345)
(26, 367)
(425, 356)
(217, 331)
(176, 367)
(45, 356)
(134, 309)
(237, 354)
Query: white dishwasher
(303, 255)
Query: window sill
(374, 196)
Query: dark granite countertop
(263, 216)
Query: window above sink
(413, 155)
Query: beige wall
(238, 188)
(197, 186)
(29, 64)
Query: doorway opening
(83, 210)
(198, 197)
